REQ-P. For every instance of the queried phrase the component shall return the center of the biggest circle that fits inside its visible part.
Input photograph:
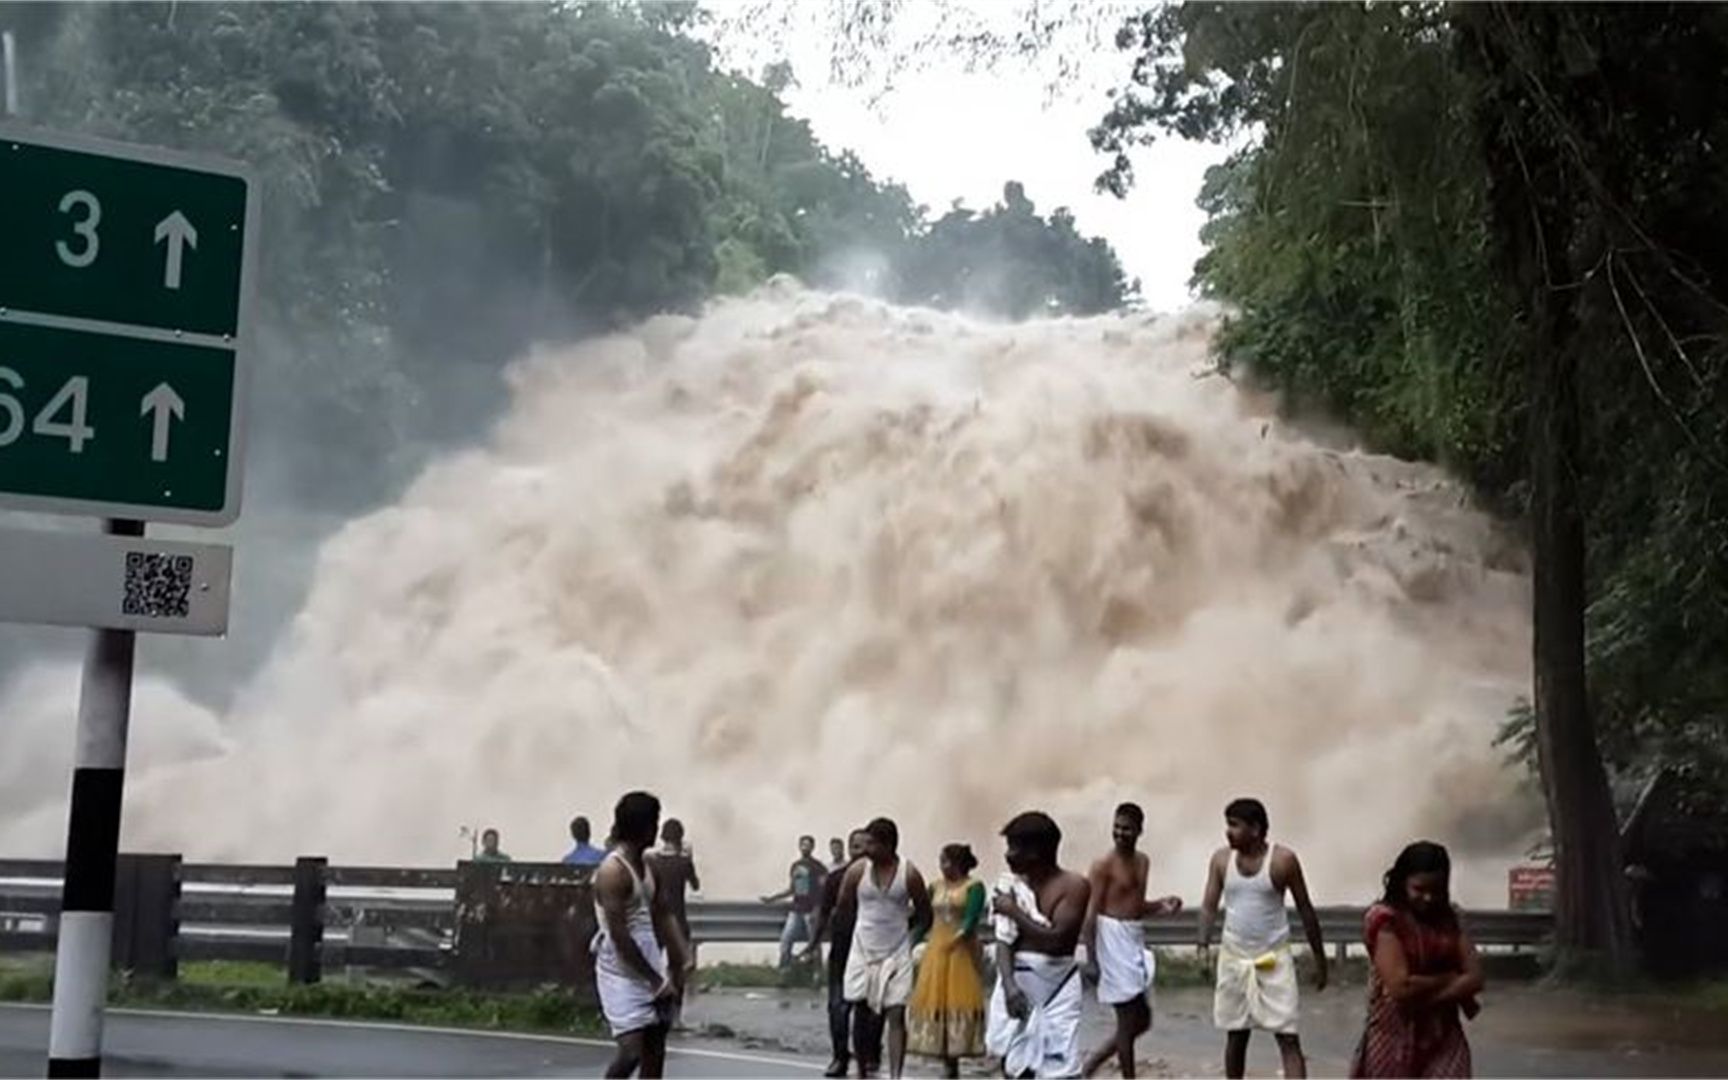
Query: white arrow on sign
(180, 234)
(166, 404)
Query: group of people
(906, 965)
(670, 876)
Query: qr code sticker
(158, 586)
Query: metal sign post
(92, 848)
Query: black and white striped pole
(92, 849)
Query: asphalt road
(150, 1044)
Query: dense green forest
(445, 182)
(1496, 236)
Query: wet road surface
(1524, 1030)
(153, 1044)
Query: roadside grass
(262, 989)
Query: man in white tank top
(1256, 972)
(639, 950)
(893, 910)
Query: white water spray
(810, 558)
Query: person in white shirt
(893, 910)
(639, 950)
(1256, 987)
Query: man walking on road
(1256, 972)
(1034, 1020)
(1115, 938)
(893, 906)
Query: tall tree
(1532, 198)
(1495, 235)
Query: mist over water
(812, 558)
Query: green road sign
(112, 419)
(124, 281)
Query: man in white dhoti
(1256, 972)
(639, 950)
(1034, 1019)
(1117, 959)
(893, 909)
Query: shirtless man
(1256, 973)
(675, 875)
(1034, 1017)
(1115, 937)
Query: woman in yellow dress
(945, 1018)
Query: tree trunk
(1535, 199)
(1591, 915)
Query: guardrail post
(147, 915)
(125, 908)
(306, 921)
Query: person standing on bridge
(584, 853)
(639, 951)
(804, 889)
(489, 848)
(837, 922)
(1256, 974)
(1425, 976)
(1115, 938)
(893, 906)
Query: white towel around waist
(1046, 1043)
(1125, 967)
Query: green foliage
(1350, 236)
(444, 183)
(1011, 261)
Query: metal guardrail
(312, 915)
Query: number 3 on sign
(73, 397)
(84, 229)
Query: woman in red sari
(1425, 974)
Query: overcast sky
(920, 117)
